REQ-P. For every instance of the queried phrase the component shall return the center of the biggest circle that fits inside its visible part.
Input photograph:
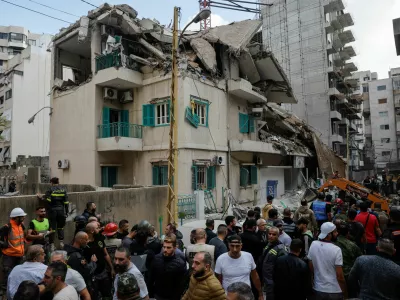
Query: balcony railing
(113, 59)
(121, 129)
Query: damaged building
(111, 99)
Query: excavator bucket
(310, 194)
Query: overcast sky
(373, 22)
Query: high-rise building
(310, 39)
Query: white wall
(271, 173)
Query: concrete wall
(131, 204)
(34, 188)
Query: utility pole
(347, 150)
(172, 206)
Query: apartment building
(396, 33)
(24, 90)
(14, 39)
(312, 41)
(111, 98)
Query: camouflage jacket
(350, 252)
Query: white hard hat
(17, 212)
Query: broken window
(248, 175)
(200, 108)
(68, 73)
(203, 177)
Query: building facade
(24, 90)
(312, 41)
(110, 123)
(14, 39)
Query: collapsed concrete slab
(153, 49)
(206, 53)
(160, 33)
(83, 29)
(248, 68)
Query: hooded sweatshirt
(305, 212)
(76, 261)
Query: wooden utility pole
(172, 206)
(348, 151)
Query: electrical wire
(54, 8)
(89, 3)
(38, 12)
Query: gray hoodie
(305, 212)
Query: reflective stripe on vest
(41, 227)
(319, 209)
(15, 241)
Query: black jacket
(252, 244)
(75, 259)
(292, 278)
(87, 214)
(167, 276)
(210, 235)
(392, 232)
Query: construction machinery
(358, 189)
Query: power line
(38, 12)
(89, 3)
(55, 9)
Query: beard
(199, 273)
(121, 268)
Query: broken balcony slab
(243, 89)
(121, 78)
(117, 18)
(153, 28)
(248, 68)
(206, 53)
(152, 49)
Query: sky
(373, 28)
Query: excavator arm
(362, 191)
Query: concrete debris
(205, 53)
(157, 31)
(141, 60)
(248, 68)
(83, 29)
(152, 49)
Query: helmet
(110, 229)
(80, 219)
(17, 212)
(144, 224)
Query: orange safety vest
(15, 240)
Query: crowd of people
(330, 250)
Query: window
(1, 63)
(382, 101)
(201, 110)
(32, 42)
(246, 123)
(385, 140)
(381, 87)
(3, 36)
(383, 113)
(17, 37)
(109, 176)
(386, 153)
(366, 78)
(156, 114)
(203, 177)
(365, 89)
(1, 100)
(8, 94)
(384, 127)
(160, 175)
(116, 123)
(248, 175)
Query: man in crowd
(306, 237)
(39, 228)
(123, 264)
(291, 269)
(230, 222)
(322, 210)
(237, 266)
(274, 249)
(283, 237)
(171, 229)
(96, 246)
(393, 232)
(111, 241)
(90, 211)
(267, 207)
(127, 288)
(250, 241)
(239, 291)
(371, 225)
(27, 290)
(127, 240)
(123, 229)
(58, 207)
(209, 230)
(54, 281)
(262, 233)
(200, 245)
(33, 269)
(289, 226)
(218, 241)
(203, 283)
(168, 272)
(356, 230)
(257, 210)
(377, 275)
(342, 214)
(12, 240)
(326, 263)
(304, 212)
(272, 217)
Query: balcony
(345, 20)
(329, 48)
(335, 115)
(328, 27)
(334, 92)
(119, 137)
(350, 51)
(346, 37)
(333, 6)
(336, 138)
(351, 67)
(243, 89)
(111, 73)
(344, 122)
(337, 43)
(336, 24)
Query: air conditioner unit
(63, 164)
(110, 94)
(103, 30)
(126, 97)
(256, 112)
(258, 160)
(219, 161)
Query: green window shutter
(243, 176)
(251, 124)
(104, 176)
(194, 178)
(243, 123)
(253, 174)
(124, 126)
(164, 175)
(169, 111)
(125, 116)
(211, 172)
(207, 110)
(148, 114)
(156, 175)
(106, 122)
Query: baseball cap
(127, 284)
(326, 229)
(278, 223)
(235, 239)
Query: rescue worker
(267, 207)
(321, 209)
(39, 228)
(12, 239)
(58, 202)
